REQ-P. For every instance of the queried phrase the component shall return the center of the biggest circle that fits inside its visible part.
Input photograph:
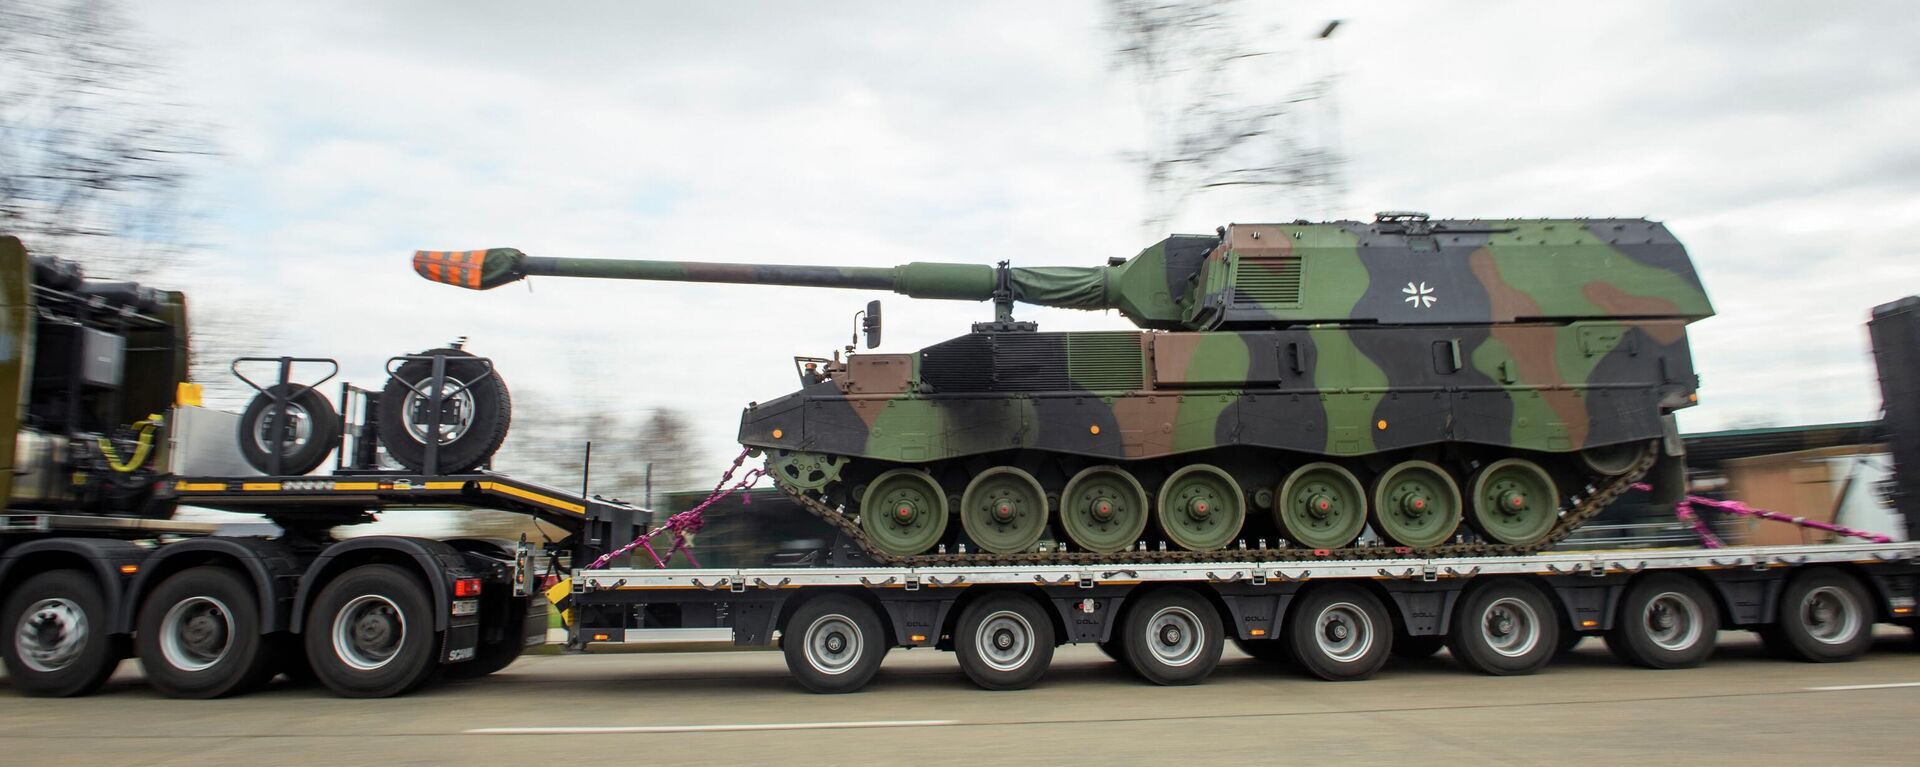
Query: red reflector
(466, 587)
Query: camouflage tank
(1445, 382)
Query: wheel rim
(1175, 636)
(1831, 615)
(1343, 632)
(1201, 508)
(1004, 510)
(1515, 502)
(368, 632)
(51, 635)
(1104, 509)
(298, 429)
(1613, 460)
(1005, 641)
(196, 633)
(1416, 504)
(417, 420)
(904, 512)
(1321, 506)
(1510, 627)
(1672, 621)
(833, 644)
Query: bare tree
(1219, 111)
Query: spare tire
(474, 413)
(308, 433)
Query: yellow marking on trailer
(356, 486)
(195, 487)
(259, 486)
(529, 495)
(444, 485)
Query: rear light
(466, 587)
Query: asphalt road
(739, 708)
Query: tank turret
(1402, 269)
(1443, 386)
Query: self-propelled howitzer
(1294, 383)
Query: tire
(1269, 650)
(1340, 633)
(476, 433)
(1825, 616)
(1416, 647)
(1005, 642)
(1665, 621)
(834, 644)
(350, 631)
(199, 635)
(56, 643)
(1114, 649)
(316, 430)
(1504, 628)
(490, 656)
(1173, 637)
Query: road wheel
(1514, 502)
(474, 414)
(200, 635)
(834, 644)
(1504, 628)
(1340, 633)
(1172, 637)
(1416, 504)
(904, 512)
(1416, 647)
(1825, 616)
(57, 642)
(1270, 650)
(1005, 642)
(370, 633)
(1201, 508)
(1321, 506)
(491, 655)
(1004, 510)
(309, 430)
(1666, 621)
(1103, 509)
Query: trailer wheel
(370, 633)
(1416, 647)
(199, 635)
(57, 643)
(310, 429)
(1270, 650)
(1005, 642)
(1825, 617)
(1340, 633)
(1505, 628)
(1666, 621)
(474, 415)
(1173, 637)
(834, 644)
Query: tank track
(1569, 521)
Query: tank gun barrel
(1070, 287)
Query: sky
(1775, 139)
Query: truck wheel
(493, 655)
(833, 644)
(1505, 628)
(1005, 642)
(1340, 633)
(1173, 637)
(1825, 616)
(1416, 647)
(1666, 621)
(370, 633)
(473, 419)
(199, 635)
(1270, 650)
(58, 645)
(310, 430)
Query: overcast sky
(1775, 139)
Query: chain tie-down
(684, 524)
